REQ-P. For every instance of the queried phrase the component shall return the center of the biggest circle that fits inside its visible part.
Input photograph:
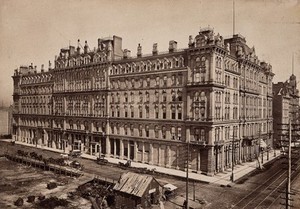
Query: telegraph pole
(232, 159)
(288, 182)
(187, 176)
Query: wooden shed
(134, 190)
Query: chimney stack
(126, 53)
(172, 46)
(154, 50)
(190, 40)
(86, 47)
(78, 47)
(139, 51)
(49, 68)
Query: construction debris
(19, 202)
(31, 199)
(52, 202)
(51, 185)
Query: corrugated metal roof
(133, 183)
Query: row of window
(176, 95)
(159, 64)
(36, 90)
(36, 79)
(84, 59)
(159, 81)
(143, 111)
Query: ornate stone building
(148, 108)
(286, 108)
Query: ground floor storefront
(207, 159)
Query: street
(260, 189)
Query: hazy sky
(33, 31)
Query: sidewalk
(219, 179)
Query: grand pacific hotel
(214, 96)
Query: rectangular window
(164, 115)
(179, 115)
(173, 115)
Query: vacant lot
(17, 180)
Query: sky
(33, 31)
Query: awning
(170, 187)
(263, 144)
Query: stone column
(128, 147)
(210, 162)
(211, 105)
(107, 148)
(199, 162)
(188, 134)
(91, 149)
(230, 157)
(121, 149)
(151, 154)
(143, 152)
(158, 159)
(177, 157)
(135, 152)
(115, 148)
(217, 159)
(168, 163)
(222, 159)
(188, 106)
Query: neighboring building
(5, 120)
(133, 190)
(146, 108)
(285, 108)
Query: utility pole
(187, 176)
(288, 182)
(194, 194)
(232, 158)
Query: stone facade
(148, 108)
(285, 108)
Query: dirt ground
(17, 180)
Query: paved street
(258, 188)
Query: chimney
(78, 47)
(42, 68)
(49, 68)
(154, 50)
(190, 40)
(172, 46)
(72, 50)
(86, 47)
(126, 53)
(139, 51)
